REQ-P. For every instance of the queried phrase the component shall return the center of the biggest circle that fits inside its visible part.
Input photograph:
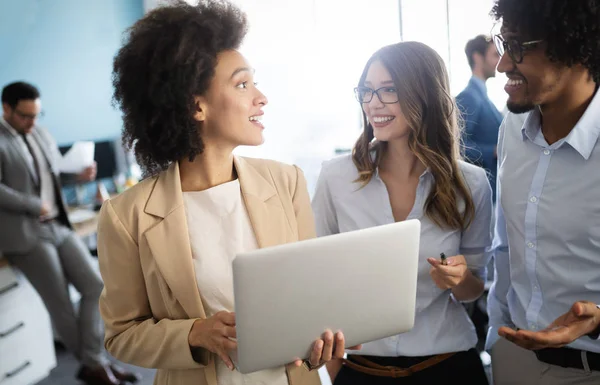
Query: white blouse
(219, 228)
(441, 322)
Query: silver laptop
(362, 282)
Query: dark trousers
(463, 368)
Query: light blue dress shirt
(441, 323)
(547, 239)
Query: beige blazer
(150, 298)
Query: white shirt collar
(583, 136)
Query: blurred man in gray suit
(37, 238)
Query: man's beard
(519, 108)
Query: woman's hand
(456, 276)
(326, 349)
(214, 334)
(451, 275)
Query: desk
(26, 345)
(84, 221)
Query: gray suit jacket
(20, 203)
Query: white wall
(446, 26)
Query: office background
(308, 57)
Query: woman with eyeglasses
(406, 164)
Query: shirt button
(533, 199)
(530, 245)
(546, 152)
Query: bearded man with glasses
(544, 318)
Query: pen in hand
(443, 257)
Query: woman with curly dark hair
(547, 287)
(165, 246)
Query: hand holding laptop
(326, 349)
(216, 335)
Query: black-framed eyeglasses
(28, 116)
(386, 95)
(515, 48)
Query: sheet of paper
(79, 156)
(81, 215)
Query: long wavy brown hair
(421, 79)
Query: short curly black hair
(570, 28)
(168, 57)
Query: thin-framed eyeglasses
(514, 48)
(28, 116)
(386, 95)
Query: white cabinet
(26, 344)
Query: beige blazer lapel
(271, 227)
(169, 241)
(267, 216)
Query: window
(446, 26)
(308, 57)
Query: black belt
(569, 358)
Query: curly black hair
(168, 57)
(570, 28)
